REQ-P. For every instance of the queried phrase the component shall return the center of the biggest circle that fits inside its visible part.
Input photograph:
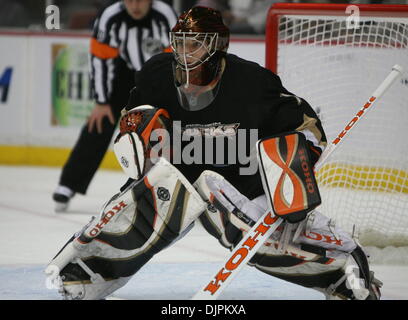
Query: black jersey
(249, 97)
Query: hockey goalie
(185, 142)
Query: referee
(125, 35)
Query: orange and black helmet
(199, 41)
(204, 20)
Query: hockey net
(335, 63)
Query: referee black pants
(90, 148)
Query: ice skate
(62, 197)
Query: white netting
(336, 69)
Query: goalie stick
(268, 223)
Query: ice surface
(31, 234)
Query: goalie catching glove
(133, 144)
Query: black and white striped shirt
(117, 34)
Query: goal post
(334, 56)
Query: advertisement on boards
(71, 92)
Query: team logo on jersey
(206, 144)
(216, 129)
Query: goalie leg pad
(228, 212)
(135, 225)
(318, 254)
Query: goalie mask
(199, 42)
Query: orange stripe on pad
(271, 148)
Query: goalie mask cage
(335, 59)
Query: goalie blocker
(287, 176)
